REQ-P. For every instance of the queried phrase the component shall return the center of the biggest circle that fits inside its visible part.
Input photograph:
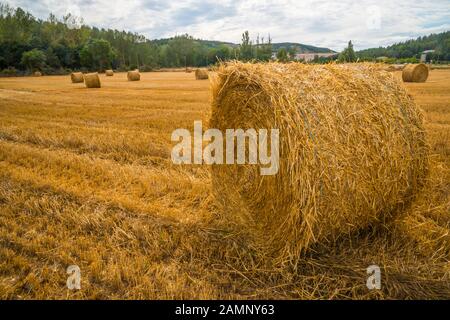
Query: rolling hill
(301, 48)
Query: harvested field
(86, 179)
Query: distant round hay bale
(395, 67)
(37, 74)
(415, 73)
(77, 77)
(109, 73)
(201, 74)
(391, 68)
(134, 75)
(92, 80)
(188, 70)
(352, 152)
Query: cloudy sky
(320, 22)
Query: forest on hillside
(60, 45)
(413, 48)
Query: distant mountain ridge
(301, 48)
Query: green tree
(246, 47)
(282, 55)
(221, 53)
(182, 50)
(263, 49)
(348, 55)
(52, 59)
(292, 51)
(2, 63)
(33, 59)
(97, 54)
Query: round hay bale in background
(201, 74)
(37, 74)
(134, 75)
(109, 73)
(352, 152)
(394, 67)
(415, 73)
(390, 68)
(92, 80)
(77, 77)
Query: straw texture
(352, 152)
(77, 77)
(201, 74)
(134, 75)
(415, 73)
(92, 80)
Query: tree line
(61, 45)
(440, 43)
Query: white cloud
(320, 22)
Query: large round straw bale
(134, 75)
(92, 80)
(352, 152)
(109, 73)
(415, 73)
(201, 74)
(77, 77)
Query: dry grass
(86, 179)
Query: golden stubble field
(86, 179)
